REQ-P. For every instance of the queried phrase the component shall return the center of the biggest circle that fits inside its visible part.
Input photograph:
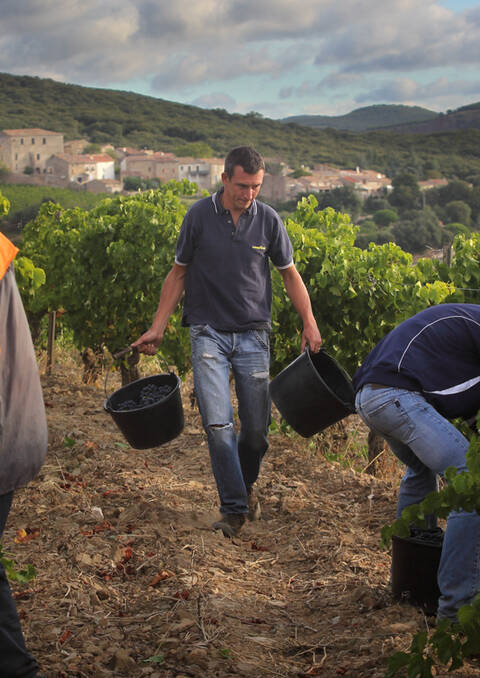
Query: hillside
(128, 119)
(131, 581)
(465, 118)
(367, 118)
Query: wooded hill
(393, 118)
(128, 119)
(368, 118)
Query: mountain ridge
(366, 118)
(397, 118)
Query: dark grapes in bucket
(149, 395)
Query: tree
(406, 193)
(451, 230)
(4, 172)
(419, 229)
(373, 203)
(459, 211)
(196, 149)
(385, 217)
(341, 199)
(92, 148)
(140, 183)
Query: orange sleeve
(8, 252)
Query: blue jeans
(235, 459)
(428, 443)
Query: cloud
(320, 47)
(333, 81)
(403, 36)
(406, 90)
(214, 100)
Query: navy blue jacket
(436, 352)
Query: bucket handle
(122, 354)
(115, 356)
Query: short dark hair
(247, 157)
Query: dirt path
(133, 582)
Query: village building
(432, 183)
(365, 182)
(28, 148)
(63, 169)
(280, 188)
(147, 165)
(103, 186)
(205, 172)
(75, 146)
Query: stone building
(22, 148)
(62, 169)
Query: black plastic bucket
(154, 424)
(313, 392)
(415, 562)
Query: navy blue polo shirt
(228, 284)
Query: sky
(276, 57)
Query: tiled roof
(85, 157)
(34, 131)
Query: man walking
(222, 264)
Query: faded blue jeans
(428, 443)
(235, 458)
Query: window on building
(21, 142)
(33, 141)
(44, 141)
(38, 156)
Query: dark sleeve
(281, 250)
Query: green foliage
(4, 172)
(19, 576)
(29, 278)
(406, 193)
(342, 199)
(464, 271)
(26, 200)
(385, 217)
(451, 643)
(455, 229)
(4, 205)
(301, 172)
(196, 149)
(105, 267)
(140, 184)
(417, 230)
(458, 210)
(357, 295)
(92, 148)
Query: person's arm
(172, 290)
(300, 299)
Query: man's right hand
(148, 343)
